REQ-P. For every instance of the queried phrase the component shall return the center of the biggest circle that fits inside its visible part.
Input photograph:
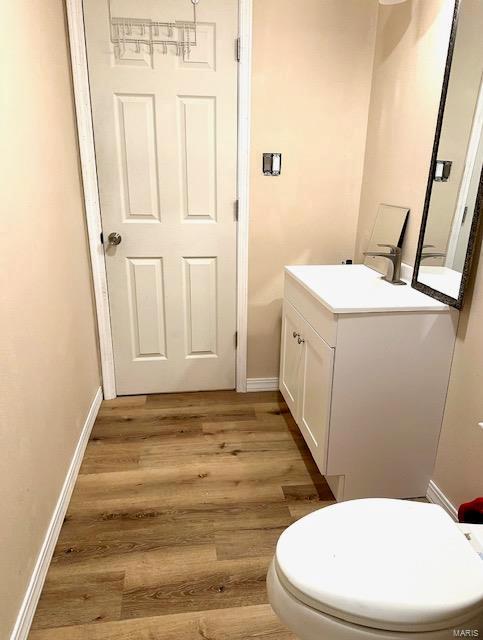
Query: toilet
(379, 569)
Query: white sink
(358, 289)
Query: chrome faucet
(395, 257)
(431, 254)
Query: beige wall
(312, 64)
(49, 369)
(410, 55)
(408, 69)
(458, 471)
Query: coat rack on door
(146, 33)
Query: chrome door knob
(114, 238)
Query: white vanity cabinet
(364, 370)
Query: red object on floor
(471, 512)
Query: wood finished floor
(174, 519)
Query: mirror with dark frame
(455, 186)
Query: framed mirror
(454, 193)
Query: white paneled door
(165, 128)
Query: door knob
(295, 334)
(114, 238)
(300, 340)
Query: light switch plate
(272, 164)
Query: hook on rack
(139, 32)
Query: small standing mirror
(454, 192)
(387, 234)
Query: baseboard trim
(34, 589)
(436, 496)
(262, 384)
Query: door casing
(75, 19)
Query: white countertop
(358, 289)
(441, 278)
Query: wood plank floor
(174, 519)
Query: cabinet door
(290, 357)
(315, 394)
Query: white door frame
(471, 153)
(75, 18)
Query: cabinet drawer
(321, 319)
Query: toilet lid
(386, 564)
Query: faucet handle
(393, 248)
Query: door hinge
(237, 208)
(238, 49)
(236, 339)
(102, 238)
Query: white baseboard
(436, 496)
(262, 384)
(34, 589)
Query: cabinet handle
(300, 340)
(296, 335)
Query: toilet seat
(385, 564)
